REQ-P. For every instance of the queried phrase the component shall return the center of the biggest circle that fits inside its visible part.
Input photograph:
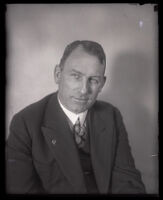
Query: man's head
(80, 75)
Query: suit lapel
(101, 147)
(60, 140)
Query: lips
(80, 99)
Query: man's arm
(126, 179)
(21, 176)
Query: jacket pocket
(51, 175)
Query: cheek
(67, 85)
(95, 90)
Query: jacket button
(53, 141)
(87, 172)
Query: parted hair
(91, 47)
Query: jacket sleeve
(21, 176)
(126, 179)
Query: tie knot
(77, 126)
(77, 121)
(79, 133)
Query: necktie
(79, 133)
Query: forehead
(79, 59)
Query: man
(68, 142)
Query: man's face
(80, 80)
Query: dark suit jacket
(42, 155)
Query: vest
(88, 173)
(86, 164)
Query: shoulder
(34, 110)
(102, 106)
(106, 109)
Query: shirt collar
(73, 116)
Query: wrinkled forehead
(80, 49)
(84, 62)
(80, 52)
(90, 48)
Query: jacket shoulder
(107, 110)
(104, 106)
(35, 109)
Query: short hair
(91, 47)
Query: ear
(102, 84)
(57, 73)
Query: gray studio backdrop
(37, 36)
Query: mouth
(82, 100)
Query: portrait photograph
(82, 99)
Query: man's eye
(76, 76)
(94, 81)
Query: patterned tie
(79, 133)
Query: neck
(71, 115)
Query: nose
(85, 87)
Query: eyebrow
(73, 70)
(95, 76)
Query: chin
(79, 110)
